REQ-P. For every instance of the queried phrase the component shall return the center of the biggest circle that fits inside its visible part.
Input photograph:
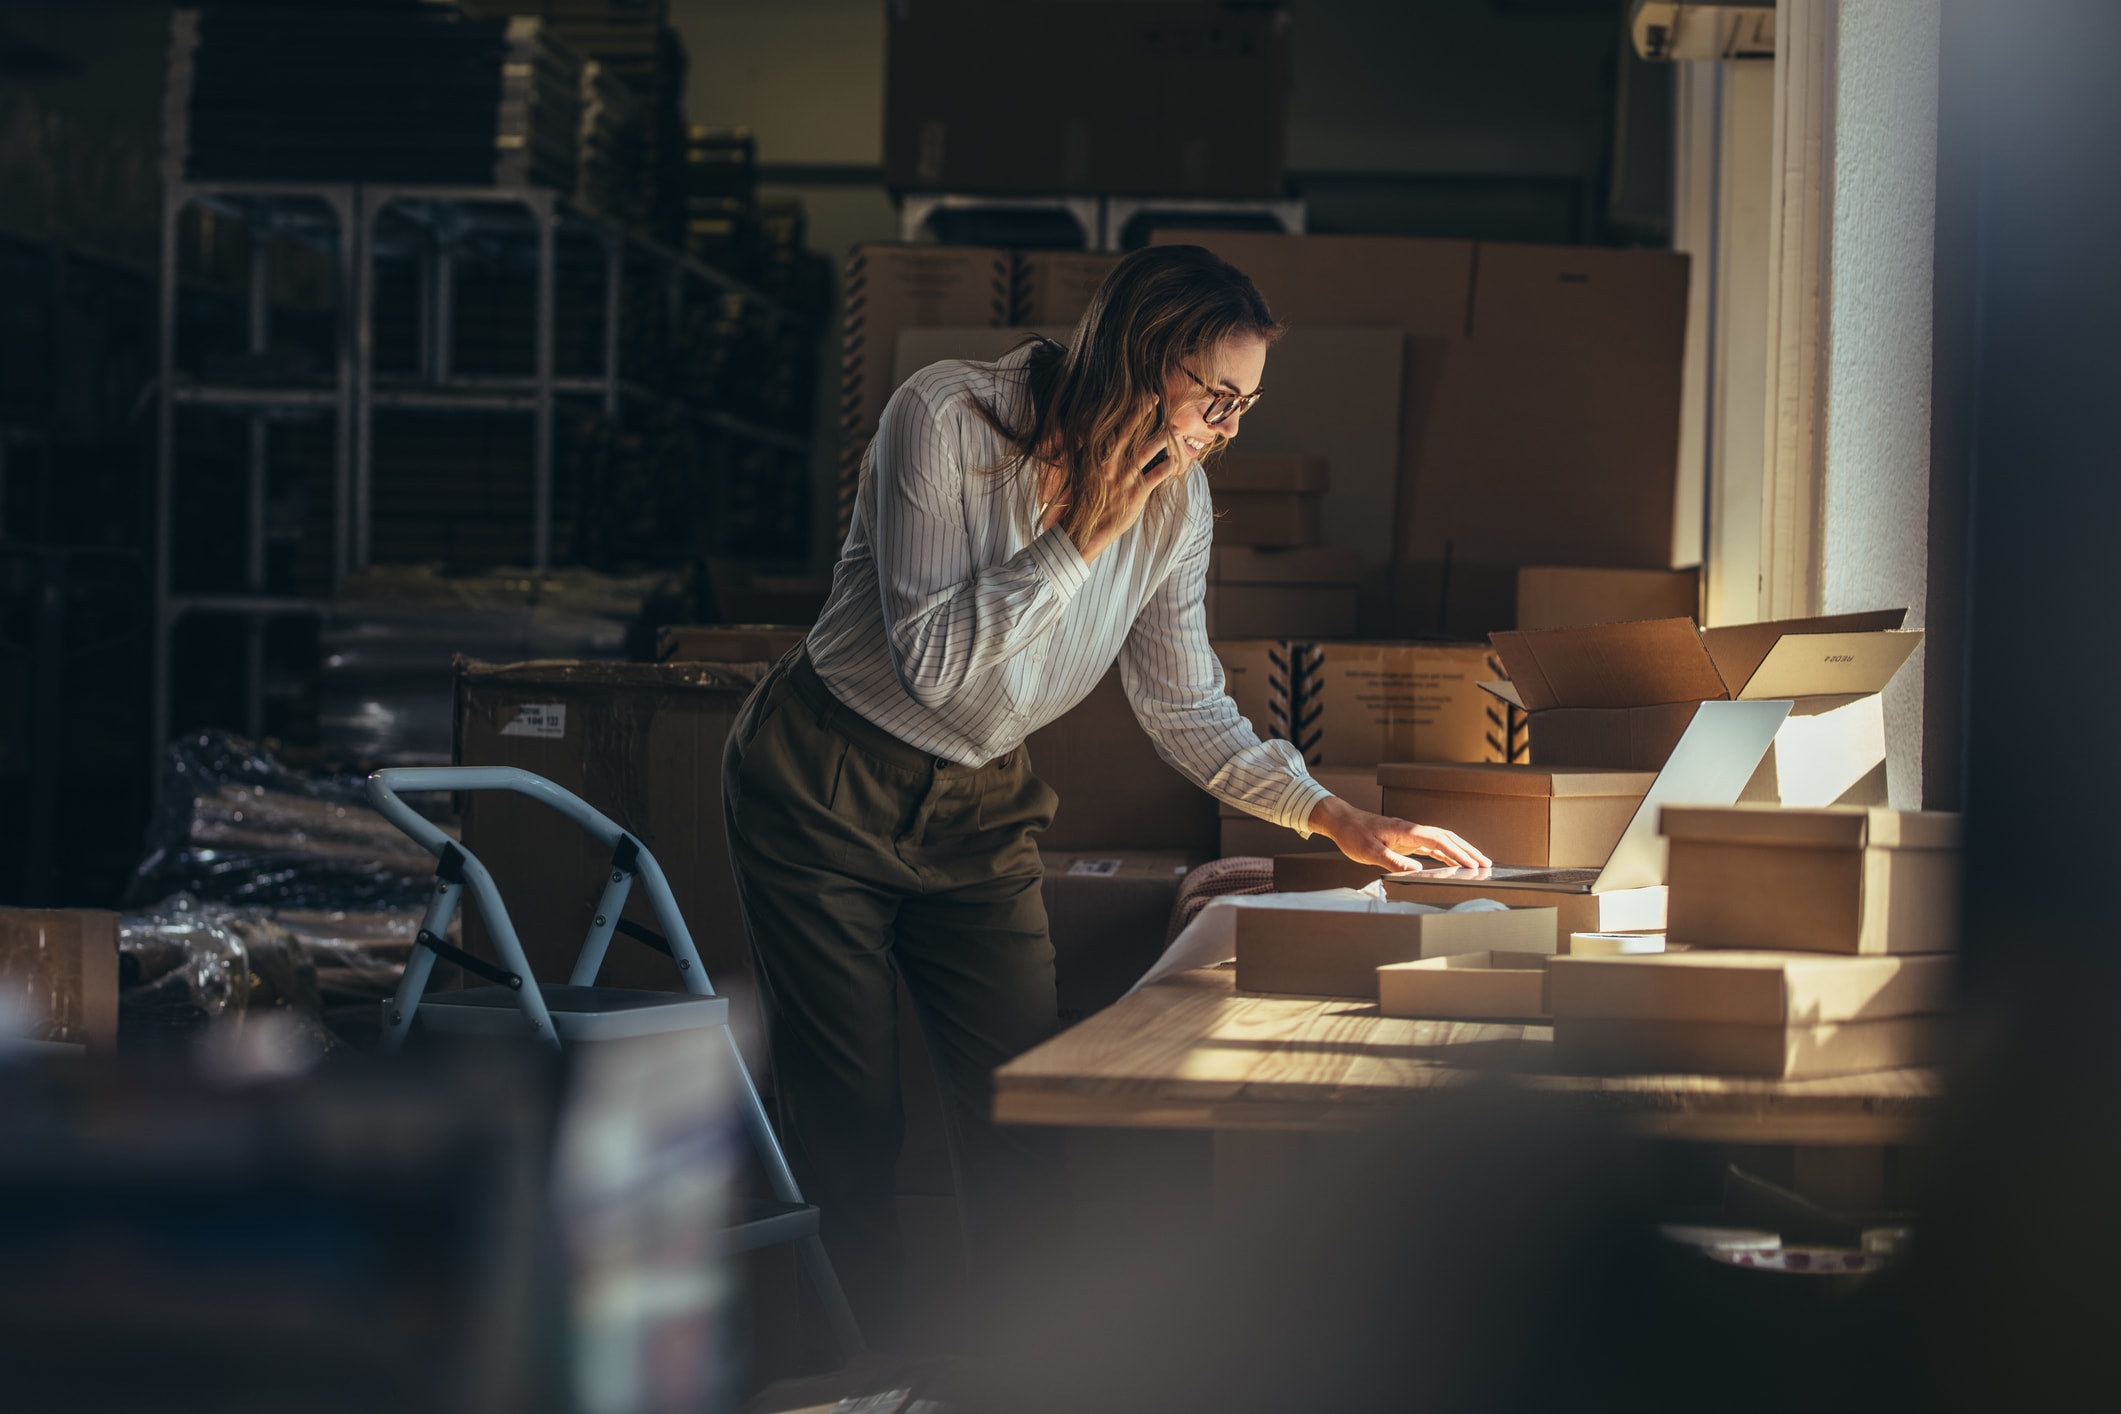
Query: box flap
(1505, 690)
(1306, 564)
(1610, 665)
(1828, 827)
(1491, 778)
(1259, 471)
(1831, 664)
(1738, 650)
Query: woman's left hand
(1388, 843)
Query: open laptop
(1721, 749)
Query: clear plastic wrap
(236, 826)
(188, 964)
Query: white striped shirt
(960, 629)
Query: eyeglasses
(1221, 405)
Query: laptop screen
(1721, 749)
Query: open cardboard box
(1325, 953)
(1465, 985)
(1621, 695)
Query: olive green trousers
(862, 864)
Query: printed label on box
(540, 719)
(1096, 868)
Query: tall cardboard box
(1269, 501)
(1540, 411)
(1828, 881)
(1563, 817)
(894, 287)
(1622, 694)
(642, 742)
(1109, 912)
(726, 643)
(1243, 834)
(59, 975)
(1055, 286)
(1359, 704)
(1555, 596)
(1023, 97)
(1297, 594)
(1770, 1014)
(1115, 792)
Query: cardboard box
(974, 343)
(726, 643)
(642, 742)
(1315, 952)
(1622, 694)
(1305, 873)
(1298, 593)
(1109, 913)
(1751, 988)
(1540, 405)
(1832, 881)
(59, 975)
(1271, 502)
(1248, 835)
(1551, 596)
(892, 287)
(1055, 286)
(1472, 985)
(1609, 1047)
(1115, 792)
(981, 97)
(1566, 817)
(1615, 945)
(1358, 704)
(1621, 911)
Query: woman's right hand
(1130, 480)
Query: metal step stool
(515, 1005)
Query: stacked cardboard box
(1818, 942)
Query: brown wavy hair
(1159, 308)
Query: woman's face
(1233, 367)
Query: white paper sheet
(1211, 937)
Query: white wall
(1874, 503)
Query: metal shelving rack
(344, 217)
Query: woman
(1020, 525)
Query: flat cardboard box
(1751, 988)
(1842, 880)
(1305, 592)
(1055, 286)
(1269, 501)
(1564, 817)
(1313, 952)
(1615, 945)
(1334, 392)
(59, 974)
(1109, 912)
(1622, 694)
(1115, 792)
(1469, 985)
(1305, 873)
(1602, 1045)
(1621, 911)
(892, 287)
(1359, 704)
(980, 97)
(1554, 596)
(1357, 785)
(726, 643)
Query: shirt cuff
(1296, 811)
(1060, 562)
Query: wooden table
(1194, 1053)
